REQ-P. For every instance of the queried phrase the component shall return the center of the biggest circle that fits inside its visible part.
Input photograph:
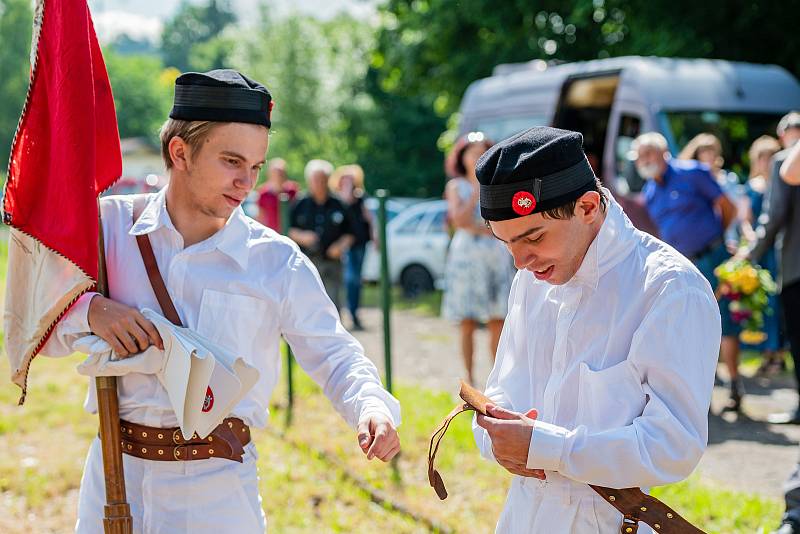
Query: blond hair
(193, 134)
(353, 170)
(703, 141)
(763, 145)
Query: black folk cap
(531, 172)
(222, 95)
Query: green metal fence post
(284, 223)
(386, 286)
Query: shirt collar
(613, 243)
(154, 215)
(231, 240)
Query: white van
(611, 101)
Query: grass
(477, 488)
(427, 304)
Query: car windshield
(736, 132)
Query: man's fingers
(116, 346)
(530, 473)
(391, 454)
(127, 341)
(487, 423)
(150, 328)
(533, 413)
(500, 413)
(364, 437)
(141, 337)
(378, 442)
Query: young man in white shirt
(606, 362)
(237, 283)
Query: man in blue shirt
(691, 213)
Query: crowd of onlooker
(329, 222)
(710, 214)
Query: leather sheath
(632, 503)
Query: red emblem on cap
(209, 402)
(523, 203)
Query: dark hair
(567, 211)
(454, 163)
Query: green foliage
(430, 47)
(16, 19)
(142, 93)
(187, 35)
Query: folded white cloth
(203, 380)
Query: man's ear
(588, 206)
(179, 153)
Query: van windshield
(498, 128)
(736, 131)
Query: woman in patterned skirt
(479, 270)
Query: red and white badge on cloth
(523, 203)
(209, 402)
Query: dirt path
(747, 454)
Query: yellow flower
(751, 337)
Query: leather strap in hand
(632, 503)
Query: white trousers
(197, 497)
(558, 506)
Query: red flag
(66, 151)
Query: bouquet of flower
(747, 288)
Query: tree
(429, 51)
(16, 18)
(188, 33)
(142, 93)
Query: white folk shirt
(619, 362)
(243, 288)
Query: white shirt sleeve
(72, 326)
(327, 352)
(508, 363)
(675, 366)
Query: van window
(736, 132)
(628, 181)
(498, 128)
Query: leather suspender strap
(150, 264)
(632, 503)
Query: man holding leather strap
(606, 362)
(232, 281)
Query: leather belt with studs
(168, 444)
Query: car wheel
(416, 280)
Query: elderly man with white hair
(322, 228)
(691, 212)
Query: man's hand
(510, 433)
(122, 327)
(334, 252)
(378, 438)
(305, 238)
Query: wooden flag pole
(117, 518)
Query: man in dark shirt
(692, 213)
(321, 226)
